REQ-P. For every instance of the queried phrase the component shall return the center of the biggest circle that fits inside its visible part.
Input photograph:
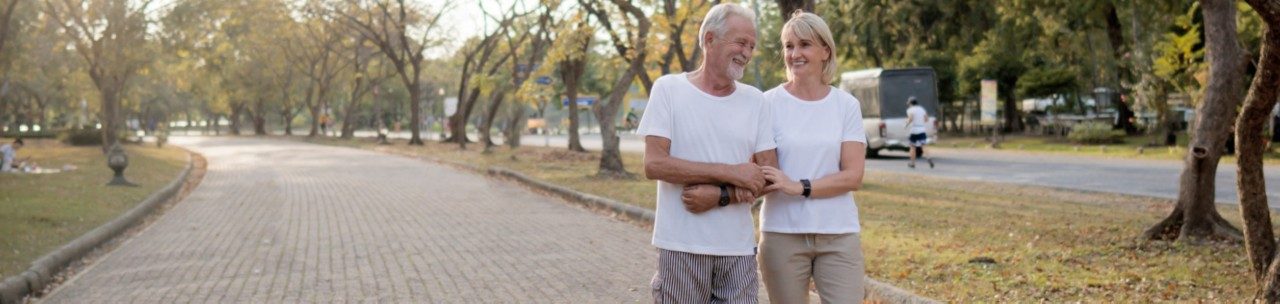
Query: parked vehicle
(883, 94)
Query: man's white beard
(736, 71)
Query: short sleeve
(853, 129)
(657, 120)
(765, 137)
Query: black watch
(807, 187)
(724, 195)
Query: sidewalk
(278, 221)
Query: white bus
(883, 94)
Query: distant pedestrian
(917, 125)
(9, 154)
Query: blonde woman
(810, 221)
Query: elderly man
(702, 131)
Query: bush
(81, 137)
(1095, 133)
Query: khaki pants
(833, 261)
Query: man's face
(731, 53)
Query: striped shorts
(697, 278)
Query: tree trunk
(237, 111)
(287, 121)
(1260, 242)
(315, 120)
(516, 127)
(790, 6)
(259, 116)
(1195, 218)
(573, 74)
(495, 103)
(110, 117)
(349, 120)
(415, 115)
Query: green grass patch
(921, 233)
(41, 212)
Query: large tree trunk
(110, 116)
(349, 121)
(572, 74)
(1260, 242)
(1196, 217)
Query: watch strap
(724, 195)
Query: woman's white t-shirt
(809, 135)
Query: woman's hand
(780, 181)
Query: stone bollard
(117, 160)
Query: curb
(626, 211)
(15, 289)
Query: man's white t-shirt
(809, 135)
(919, 119)
(708, 129)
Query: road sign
(988, 99)
(582, 101)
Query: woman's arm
(849, 178)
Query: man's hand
(748, 176)
(700, 198)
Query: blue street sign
(582, 101)
(544, 80)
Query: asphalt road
(1155, 178)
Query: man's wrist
(724, 195)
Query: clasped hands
(748, 181)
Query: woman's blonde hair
(805, 25)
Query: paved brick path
(278, 221)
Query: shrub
(81, 137)
(1095, 133)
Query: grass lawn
(41, 212)
(1050, 144)
(921, 233)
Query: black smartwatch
(724, 195)
(807, 187)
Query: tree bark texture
(1195, 218)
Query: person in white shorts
(703, 129)
(917, 119)
(809, 225)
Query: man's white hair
(717, 20)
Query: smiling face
(804, 56)
(730, 53)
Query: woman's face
(804, 57)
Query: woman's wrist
(795, 188)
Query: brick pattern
(278, 221)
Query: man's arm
(659, 165)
